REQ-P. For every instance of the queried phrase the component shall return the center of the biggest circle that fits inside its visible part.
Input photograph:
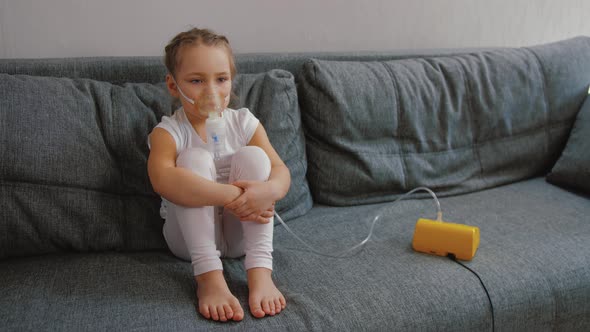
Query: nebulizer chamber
(214, 125)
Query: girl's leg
(249, 238)
(196, 226)
(197, 241)
(253, 239)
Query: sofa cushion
(534, 256)
(155, 291)
(73, 170)
(272, 98)
(73, 174)
(453, 123)
(533, 259)
(572, 170)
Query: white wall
(69, 28)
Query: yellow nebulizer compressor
(430, 236)
(446, 239)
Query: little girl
(212, 213)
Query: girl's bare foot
(215, 299)
(265, 298)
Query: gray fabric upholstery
(272, 97)
(572, 170)
(73, 174)
(533, 258)
(155, 292)
(150, 69)
(455, 123)
(73, 170)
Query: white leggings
(202, 235)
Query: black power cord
(454, 259)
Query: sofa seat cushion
(533, 258)
(534, 255)
(155, 291)
(453, 123)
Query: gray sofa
(497, 133)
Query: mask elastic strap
(182, 93)
(187, 98)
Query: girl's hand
(256, 201)
(264, 218)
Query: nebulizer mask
(211, 103)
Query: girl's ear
(171, 85)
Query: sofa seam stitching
(399, 115)
(14, 183)
(474, 142)
(290, 117)
(541, 71)
(299, 161)
(317, 108)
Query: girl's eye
(222, 79)
(196, 81)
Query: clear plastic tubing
(363, 242)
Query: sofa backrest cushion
(572, 169)
(455, 123)
(272, 98)
(73, 169)
(73, 172)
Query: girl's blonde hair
(196, 37)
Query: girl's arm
(259, 196)
(179, 185)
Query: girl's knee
(253, 152)
(197, 160)
(253, 161)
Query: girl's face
(202, 71)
